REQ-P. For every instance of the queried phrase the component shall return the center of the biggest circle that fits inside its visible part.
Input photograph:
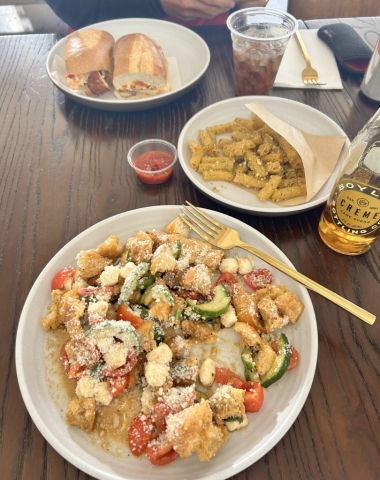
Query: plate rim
(234, 469)
(275, 211)
(97, 102)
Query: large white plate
(283, 401)
(297, 114)
(189, 49)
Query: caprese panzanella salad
(132, 313)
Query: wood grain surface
(63, 167)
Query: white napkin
(322, 58)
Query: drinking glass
(259, 38)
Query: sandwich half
(89, 64)
(141, 69)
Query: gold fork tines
(226, 238)
(309, 74)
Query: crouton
(140, 247)
(179, 346)
(178, 226)
(211, 258)
(227, 402)
(184, 372)
(264, 359)
(199, 331)
(111, 248)
(248, 335)
(91, 263)
(81, 413)
(192, 430)
(246, 308)
(163, 260)
(197, 278)
(146, 335)
(71, 310)
(273, 291)
(53, 320)
(290, 306)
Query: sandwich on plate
(88, 58)
(141, 69)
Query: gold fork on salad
(226, 238)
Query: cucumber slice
(178, 249)
(218, 305)
(158, 333)
(147, 281)
(246, 358)
(104, 333)
(280, 365)
(131, 281)
(234, 419)
(156, 292)
(199, 395)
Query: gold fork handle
(303, 48)
(333, 297)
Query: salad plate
(283, 400)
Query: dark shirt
(80, 13)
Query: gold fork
(226, 238)
(309, 74)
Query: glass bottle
(350, 221)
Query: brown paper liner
(319, 154)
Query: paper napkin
(322, 59)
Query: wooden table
(63, 168)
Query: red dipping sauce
(154, 167)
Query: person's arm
(188, 9)
(80, 13)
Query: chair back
(312, 9)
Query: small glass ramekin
(153, 160)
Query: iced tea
(259, 38)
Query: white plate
(283, 401)
(297, 114)
(189, 49)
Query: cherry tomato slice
(101, 291)
(160, 422)
(253, 397)
(226, 277)
(223, 376)
(77, 355)
(258, 279)
(294, 357)
(124, 369)
(126, 314)
(64, 358)
(139, 433)
(118, 384)
(60, 277)
(160, 453)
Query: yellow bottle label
(355, 207)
